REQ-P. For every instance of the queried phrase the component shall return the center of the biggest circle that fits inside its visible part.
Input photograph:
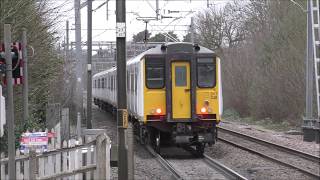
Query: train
(174, 95)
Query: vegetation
(262, 45)
(159, 37)
(45, 67)
(141, 36)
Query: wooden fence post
(103, 156)
(65, 159)
(32, 164)
(108, 167)
(72, 157)
(2, 169)
(18, 166)
(78, 159)
(130, 140)
(88, 159)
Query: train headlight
(203, 110)
(158, 111)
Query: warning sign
(125, 118)
(122, 118)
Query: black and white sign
(121, 29)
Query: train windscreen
(155, 72)
(206, 72)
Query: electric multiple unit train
(173, 92)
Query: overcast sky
(144, 8)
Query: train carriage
(173, 92)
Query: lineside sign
(36, 140)
(121, 29)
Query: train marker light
(158, 110)
(203, 110)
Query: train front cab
(181, 95)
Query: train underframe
(158, 134)
(182, 134)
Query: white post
(2, 112)
(78, 125)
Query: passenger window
(132, 82)
(181, 75)
(206, 72)
(135, 82)
(155, 72)
(111, 82)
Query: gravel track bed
(252, 166)
(188, 166)
(195, 169)
(146, 167)
(292, 141)
(278, 154)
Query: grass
(267, 123)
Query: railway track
(195, 168)
(292, 158)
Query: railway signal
(16, 55)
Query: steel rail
(301, 154)
(164, 163)
(270, 158)
(222, 168)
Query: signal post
(122, 114)
(10, 112)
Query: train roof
(178, 47)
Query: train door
(181, 108)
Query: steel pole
(192, 30)
(157, 10)
(25, 76)
(122, 118)
(67, 39)
(79, 89)
(89, 71)
(10, 112)
(309, 66)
